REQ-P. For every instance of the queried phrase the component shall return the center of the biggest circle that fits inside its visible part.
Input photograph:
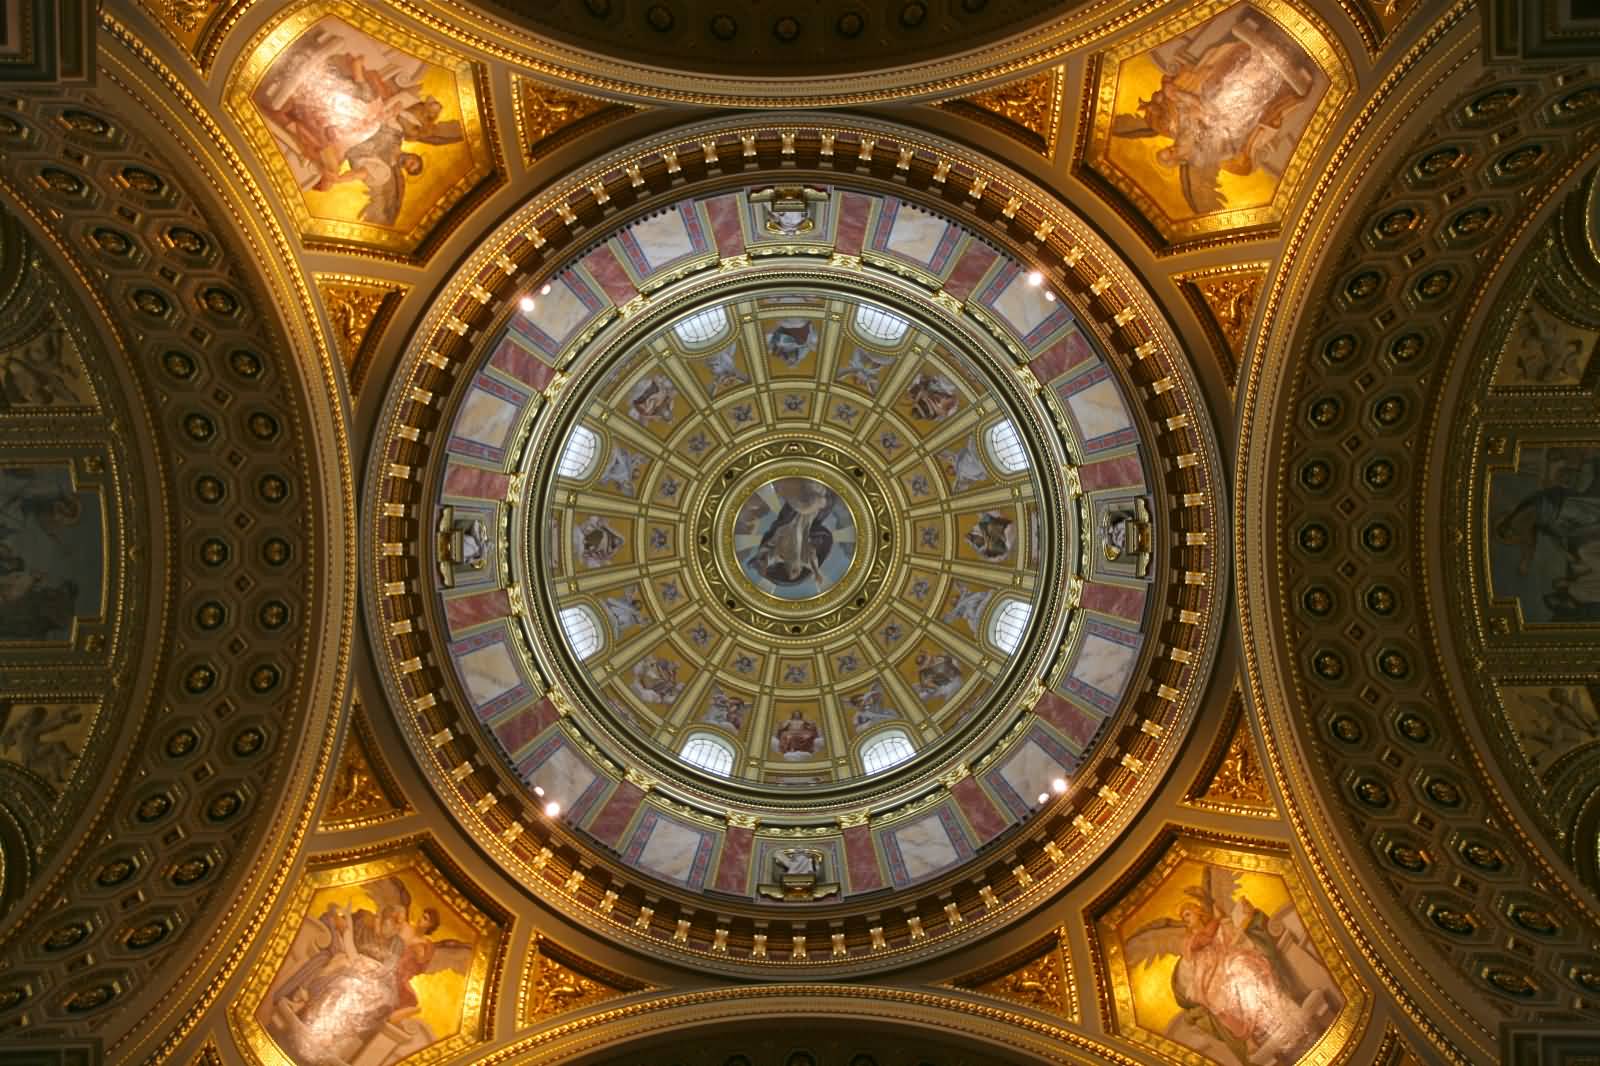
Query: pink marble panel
(1070, 351)
(609, 825)
(475, 484)
(1120, 600)
(733, 869)
(467, 611)
(861, 860)
(724, 214)
(602, 265)
(1073, 721)
(852, 223)
(979, 810)
(517, 361)
(1112, 473)
(970, 269)
(523, 726)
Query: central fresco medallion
(795, 538)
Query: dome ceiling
(758, 588)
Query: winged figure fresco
(1251, 990)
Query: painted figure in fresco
(993, 536)
(1564, 513)
(797, 737)
(1250, 988)
(933, 397)
(864, 369)
(23, 740)
(625, 611)
(968, 606)
(796, 542)
(596, 542)
(726, 711)
(32, 606)
(725, 372)
(350, 998)
(623, 470)
(1561, 720)
(42, 373)
(868, 707)
(1545, 350)
(964, 465)
(791, 340)
(343, 107)
(1223, 108)
(938, 676)
(655, 680)
(652, 399)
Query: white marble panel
(670, 851)
(925, 846)
(1023, 306)
(1030, 770)
(486, 418)
(1099, 410)
(487, 672)
(915, 234)
(564, 776)
(662, 239)
(560, 312)
(1104, 664)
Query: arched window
(886, 749)
(702, 327)
(580, 454)
(709, 753)
(874, 323)
(582, 629)
(1009, 622)
(1005, 446)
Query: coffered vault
(865, 533)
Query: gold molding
(1039, 976)
(1224, 299)
(548, 117)
(1232, 780)
(358, 310)
(556, 981)
(1028, 110)
(363, 792)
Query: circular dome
(779, 565)
(790, 517)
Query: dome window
(876, 324)
(702, 327)
(579, 456)
(1005, 445)
(582, 629)
(887, 749)
(709, 752)
(1010, 621)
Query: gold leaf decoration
(1235, 782)
(1224, 298)
(357, 308)
(1039, 976)
(362, 792)
(558, 981)
(547, 117)
(1028, 109)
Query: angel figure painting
(1220, 960)
(377, 136)
(377, 971)
(1208, 117)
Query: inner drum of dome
(797, 526)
